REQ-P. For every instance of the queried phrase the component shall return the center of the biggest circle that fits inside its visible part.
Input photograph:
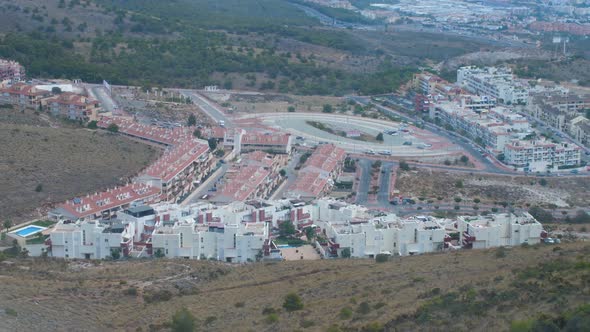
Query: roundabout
(359, 135)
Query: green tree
(310, 233)
(92, 124)
(286, 228)
(115, 254)
(464, 159)
(541, 214)
(56, 90)
(327, 108)
(543, 182)
(197, 133)
(39, 188)
(159, 253)
(291, 109)
(113, 128)
(212, 144)
(379, 137)
(292, 302)
(404, 166)
(183, 321)
(192, 120)
(282, 172)
(345, 253)
(381, 258)
(7, 224)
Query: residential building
(73, 106)
(180, 169)
(91, 239)
(268, 141)
(496, 82)
(493, 128)
(22, 95)
(105, 204)
(11, 70)
(580, 130)
(541, 155)
(241, 231)
(557, 107)
(254, 176)
(496, 230)
(316, 177)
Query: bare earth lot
(143, 295)
(43, 165)
(519, 190)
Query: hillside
(272, 45)
(465, 290)
(45, 161)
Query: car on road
(385, 153)
(205, 196)
(300, 138)
(407, 143)
(370, 152)
(574, 171)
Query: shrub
(39, 188)
(210, 320)
(11, 312)
(293, 302)
(157, 296)
(363, 308)
(268, 311)
(131, 291)
(381, 258)
(239, 304)
(501, 252)
(345, 313)
(272, 318)
(183, 321)
(307, 323)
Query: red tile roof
(176, 159)
(242, 182)
(265, 138)
(109, 199)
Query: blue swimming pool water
(284, 246)
(28, 230)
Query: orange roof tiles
(109, 199)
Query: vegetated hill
(41, 165)
(186, 43)
(479, 290)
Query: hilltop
(500, 289)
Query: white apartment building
(504, 229)
(495, 82)
(241, 232)
(230, 242)
(91, 239)
(541, 155)
(387, 235)
(494, 127)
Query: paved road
(384, 182)
(207, 185)
(107, 103)
(365, 181)
(213, 111)
(462, 142)
(291, 176)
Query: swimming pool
(26, 231)
(284, 246)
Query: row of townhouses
(73, 105)
(319, 172)
(255, 175)
(243, 231)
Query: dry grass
(54, 295)
(518, 190)
(65, 162)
